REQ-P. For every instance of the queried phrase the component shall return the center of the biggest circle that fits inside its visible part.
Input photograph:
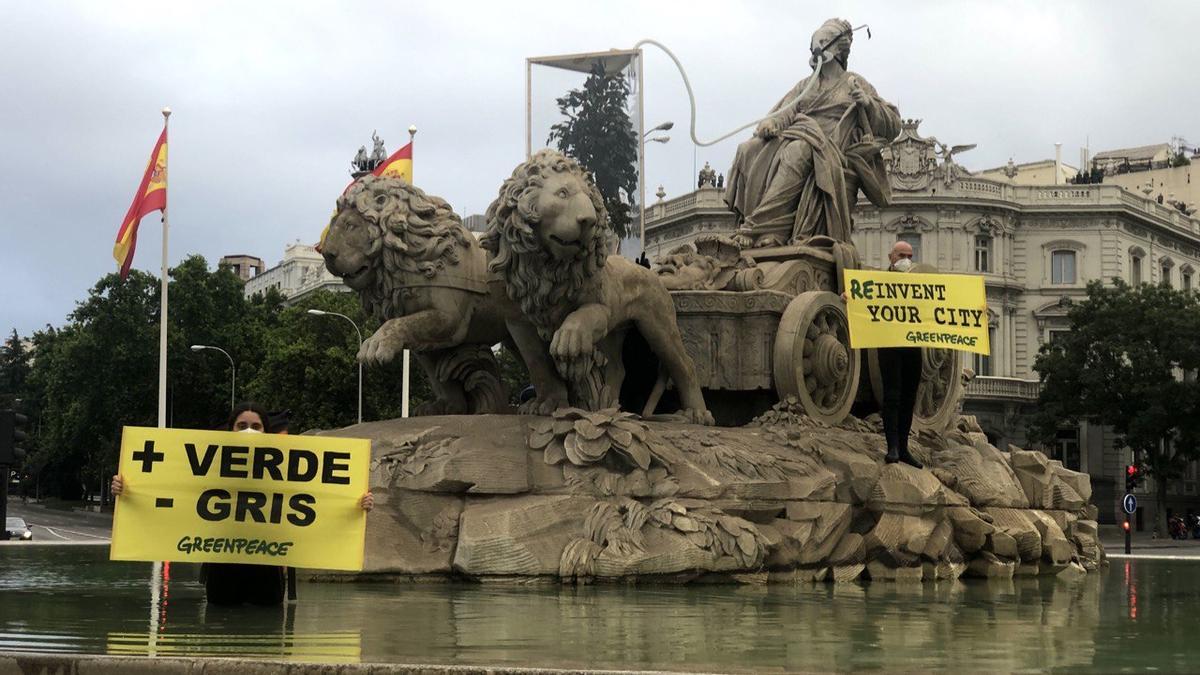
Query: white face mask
(903, 265)
(249, 430)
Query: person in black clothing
(237, 583)
(900, 371)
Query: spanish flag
(151, 196)
(399, 165)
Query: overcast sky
(271, 101)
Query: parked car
(17, 529)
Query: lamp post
(232, 372)
(665, 126)
(321, 312)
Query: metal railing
(1006, 388)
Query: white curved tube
(692, 96)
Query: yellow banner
(219, 496)
(907, 309)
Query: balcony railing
(1003, 388)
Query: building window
(913, 239)
(1056, 334)
(1164, 271)
(1062, 267)
(983, 253)
(1185, 278)
(1066, 448)
(983, 362)
(1135, 268)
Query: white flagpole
(162, 319)
(156, 569)
(412, 132)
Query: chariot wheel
(813, 360)
(940, 390)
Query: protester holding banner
(900, 372)
(236, 583)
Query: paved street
(60, 526)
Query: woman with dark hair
(237, 583)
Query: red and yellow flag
(399, 165)
(151, 196)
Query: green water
(1136, 616)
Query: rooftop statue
(378, 153)
(798, 175)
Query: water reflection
(74, 600)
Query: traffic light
(1132, 476)
(10, 435)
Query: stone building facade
(301, 272)
(1036, 247)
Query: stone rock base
(605, 496)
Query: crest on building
(912, 161)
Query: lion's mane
(547, 289)
(411, 233)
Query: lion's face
(567, 216)
(348, 247)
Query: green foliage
(1180, 158)
(598, 133)
(1130, 362)
(80, 384)
(310, 367)
(14, 369)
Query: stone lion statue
(424, 276)
(549, 236)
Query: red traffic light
(1131, 470)
(1125, 525)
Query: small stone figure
(707, 177)
(720, 181)
(643, 260)
(360, 163)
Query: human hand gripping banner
(909, 309)
(220, 496)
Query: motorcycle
(1177, 528)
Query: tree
(100, 373)
(598, 133)
(309, 366)
(1130, 362)
(14, 370)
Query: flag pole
(156, 569)
(404, 387)
(162, 315)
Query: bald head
(901, 249)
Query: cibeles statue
(553, 292)
(800, 173)
(549, 235)
(423, 276)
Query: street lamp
(642, 163)
(232, 372)
(665, 126)
(321, 312)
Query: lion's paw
(698, 416)
(543, 405)
(379, 349)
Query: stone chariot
(770, 325)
